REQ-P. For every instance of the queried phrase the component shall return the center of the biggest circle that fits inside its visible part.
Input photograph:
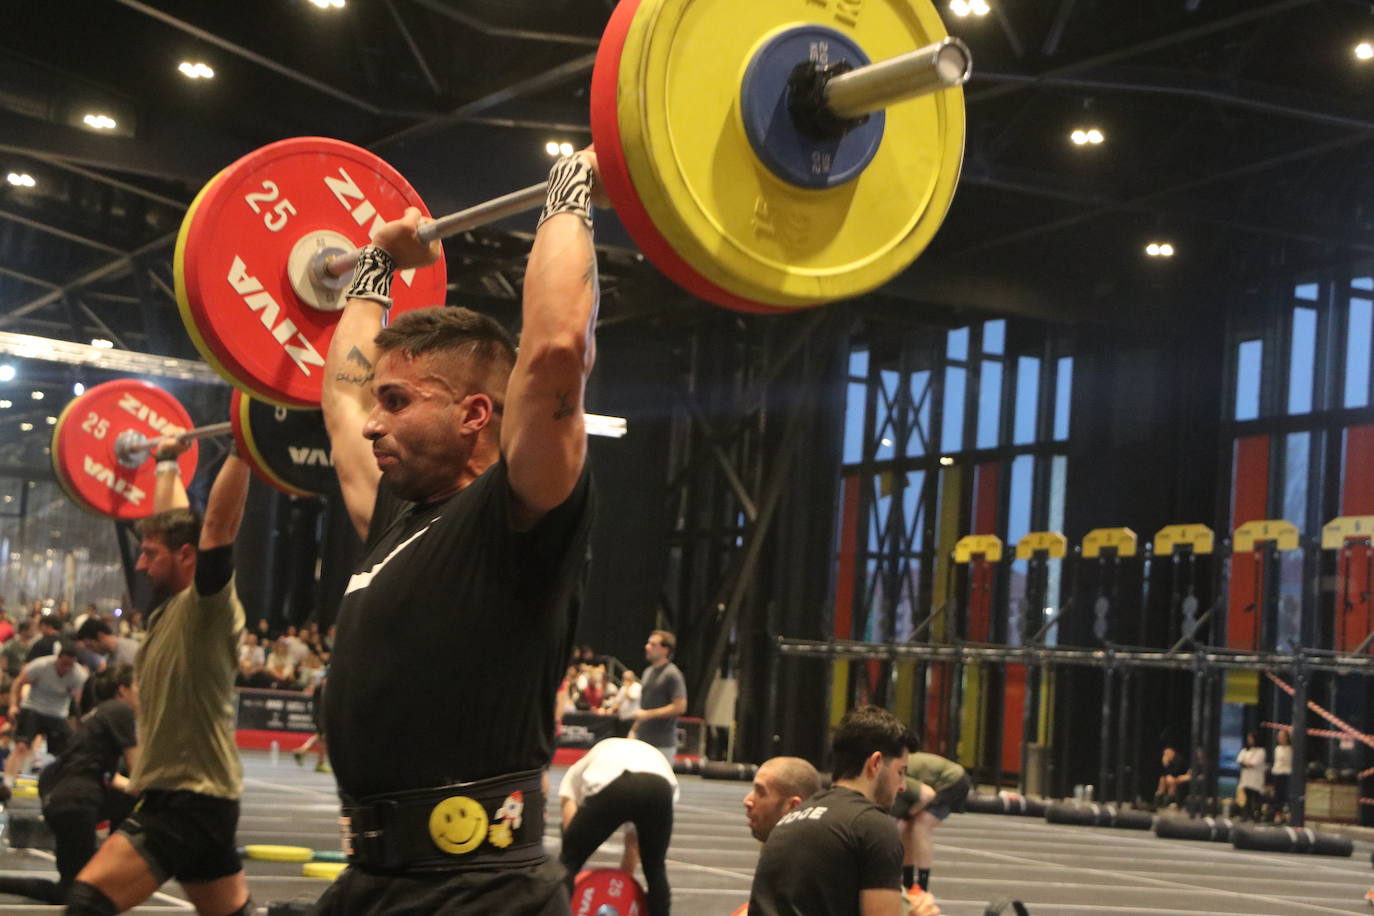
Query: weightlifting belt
(491, 823)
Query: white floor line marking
(285, 788)
(727, 872)
(1267, 898)
(177, 902)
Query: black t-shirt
(1176, 767)
(95, 752)
(452, 639)
(820, 856)
(42, 646)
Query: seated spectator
(279, 666)
(250, 653)
(595, 692)
(310, 672)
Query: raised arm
(348, 367)
(224, 510)
(168, 490)
(542, 434)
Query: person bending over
(462, 465)
(54, 683)
(839, 851)
(188, 773)
(621, 781)
(84, 785)
(935, 787)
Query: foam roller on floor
(1091, 814)
(1005, 804)
(1291, 839)
(1208, 829)
(719, 769)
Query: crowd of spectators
(598, 685)
(294, 659)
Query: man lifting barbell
(188, 772)
(462, 464)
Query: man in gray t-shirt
(54, 681)
(663, 697)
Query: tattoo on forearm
(565, 409)
(362, 380)
(361, 377)
(356, 356)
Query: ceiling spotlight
(52, 421)
(26, 427)
(565, 149)
(963, 8)
(329, 4)
(36, 395)
(1364, 50)
(196, 71)
(78, 389)
(887, 443)
(946, 461)
(101, 343)
(20, 179)
(1084, 136)
(1160, 250)
(99, 121)
(6, 405)
(551, 147)
(6, 373)
(1152, 249)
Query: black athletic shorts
(54, 728)
(185, 835)
(534, 891)
(950, 798)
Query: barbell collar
(132, 450)
(498, 208)
(943, 65)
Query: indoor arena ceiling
(1238, 130)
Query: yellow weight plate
(723, 211)
(326, 870)
(24, 792)
(269, 853)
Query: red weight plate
(615, 174)
(608, 892)
(231, 265)
(287, 449)
(83, 446)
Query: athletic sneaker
(300, 757)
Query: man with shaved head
(780, 785)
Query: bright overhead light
(610, 427)
(52, 421)
(78, 389)
(1152, 249)
(1166, 250)
(99, 121)
(1364, 50)
(20, 179)
(101, 343)
(551, 148)
(1160, 250)
(6, 405)
(1087, 135)
(565, 149)
(329, 4)
(26, 427)
(36, 395)
(946, 460)
(6, 373)
(887, 443)
(196, 70)
(558, 148)
(963, 8)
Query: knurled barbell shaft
(942, 65)
(126, 448)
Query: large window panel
(989, 404)
(995, 336)
(856, 399)
(1027, 400)
(1306, 291)
(1249, 364)
(1357, 353)
(1063, 391)
(918, 436)
(1302, 357)
(957, 344)
(1297, 451)
(952, 423)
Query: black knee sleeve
(88, 900)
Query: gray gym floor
(1055, 869)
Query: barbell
(755, 152)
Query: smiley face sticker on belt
(458, 825)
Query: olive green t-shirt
(185, 678)
(933, 770)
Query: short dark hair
(666, 638)
(175, 527)
(475, 338)
(66, 647)
(105, 684)
(93, 627)
(862, 731)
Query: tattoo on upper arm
(565, 408)
(362, 377)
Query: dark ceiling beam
(36, 281)
(1144, 47)
(1189, 213)
(415, 51)
(477, 25)
(523, 124)
(1251, 168)
(105, 271)
(1018, 47)
(167, 150)
(1056, 32)
(266, 62)
(1251, 103)
(547, 79)
(60, 233)
(59, 162)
